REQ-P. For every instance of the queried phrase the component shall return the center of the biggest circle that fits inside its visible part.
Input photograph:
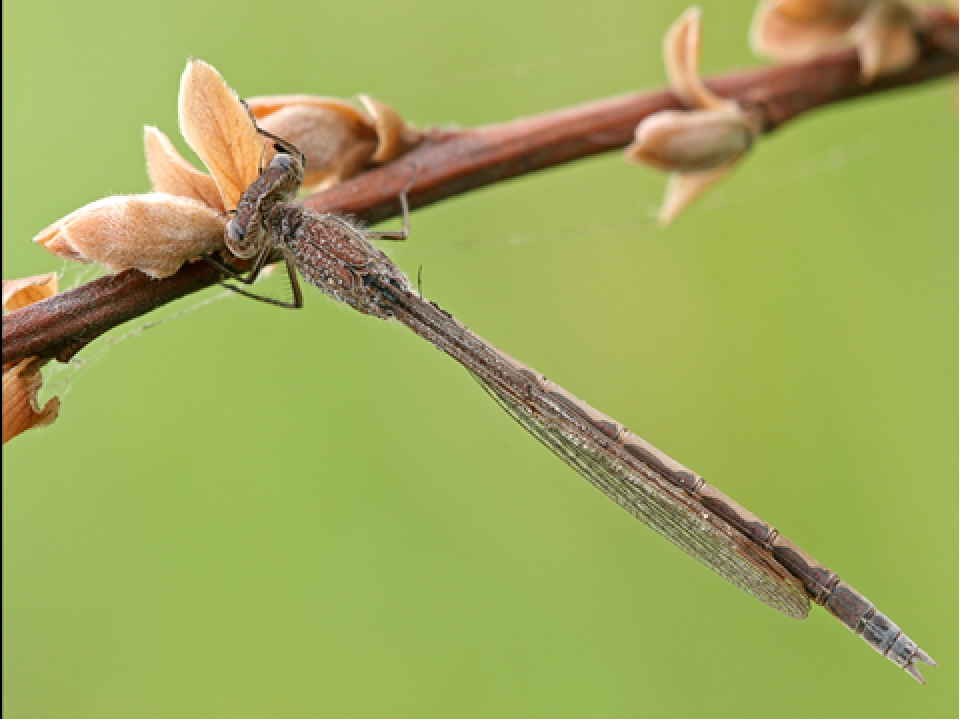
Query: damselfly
(336, 256)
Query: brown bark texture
(450, 162)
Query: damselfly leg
(405, 214)
(251, 277)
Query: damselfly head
(244, 239)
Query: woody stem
(449, 163)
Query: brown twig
(449, 163)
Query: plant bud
(155, 233)
(697, 147)
(883, 31)
(691, 141)
(21, 381)
(336, 138)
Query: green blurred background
(246, 511)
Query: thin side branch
(449, 163)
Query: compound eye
(234, 233)
(239, 241)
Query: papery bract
(681, 59)
(683, 188)
(169, 173)
(21, 411)
(219, 130)
(26, 291)
(394, 135)
(155, 233)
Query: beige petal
(691, 141)
(220, 131)
(336, 143)
(169, 173)
(26, 291)
(266, 105)
(800, 30)
(20, 408)
(683, 189)
(681, 56)
(886, 38)
(155, 233)
(394, 136)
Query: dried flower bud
(798, 30)
(155, 233)
(220, 130)
(21, 410)
(691, 141)
(886, 39)
(394, 136)
(26, 291)
(681, 57)
(337, 139)
(884, 31)
(21, 381)
(697, 147)
(169, 173)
